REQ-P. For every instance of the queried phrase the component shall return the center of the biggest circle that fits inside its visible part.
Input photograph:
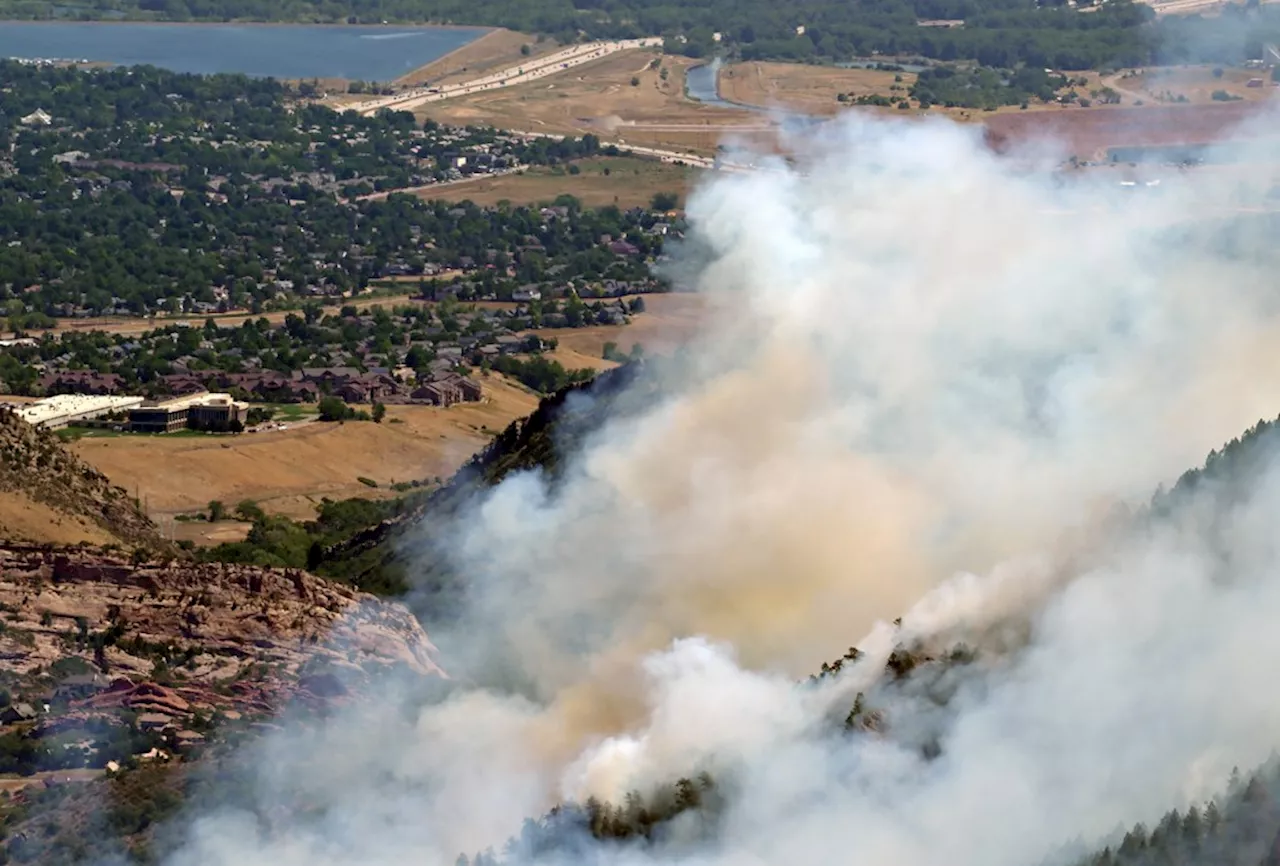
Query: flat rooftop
(72, 405)
(177, 404)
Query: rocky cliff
(228, 636)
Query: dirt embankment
(497, 49)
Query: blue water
(282, 51)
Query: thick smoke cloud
(929, 378)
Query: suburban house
(448, 389)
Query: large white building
(58, 411)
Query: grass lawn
(288, 411)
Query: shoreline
(483, 30)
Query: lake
(282, 51)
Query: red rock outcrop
(219, 634)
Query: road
(533, 69)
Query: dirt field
(809, 89)
(200, 533)
(622, 181)
(599, 98)
(1196, 83)
(22, 519)
(495, 50)
(289, 471)
(1087, 132)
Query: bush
(664, 201)
(367, 482)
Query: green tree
(664, 201)
(249, 511)
(379, 412)
(217, 511)
(333, 409)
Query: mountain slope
(906, 697)
(40, 480)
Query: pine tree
(1135, 842)
(1192, 826)
(687, 795)
(1212, 817)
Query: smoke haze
(930, 382)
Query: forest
(1002, 33)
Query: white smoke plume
(928, 379)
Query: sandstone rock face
(216, 635)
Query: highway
(531, 70)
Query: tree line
(1001, 33)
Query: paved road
(539, 67)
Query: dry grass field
(808, 89)
(22, 519)
(600, 98)
(622, 181)
(289, 471)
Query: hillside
(375, 557)
(48, 495)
